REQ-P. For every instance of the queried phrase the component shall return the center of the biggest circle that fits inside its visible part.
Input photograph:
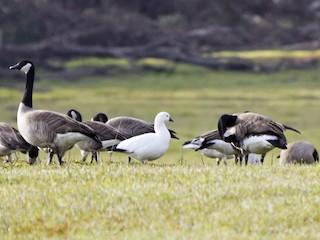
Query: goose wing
(60, 124)
(105, 132)
(130, 126)
(211, 135)
(11, 138)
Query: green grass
(175, 197)
(270, 54)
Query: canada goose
(108, 136)
(211, 141)
(100, 117)
(253, 133)
(47, 129)
(149, 146)
(299, 152)
(12, 141)
(129, 126)
(211, 153)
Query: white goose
(47, 129)
(149, 146)
(128, 125)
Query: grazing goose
(11, 141)
(253, 133)
(47, 129)
(149, 146)
(108, 136)
(129, 126)
(299, 152)
(100, 117)
(210, 143)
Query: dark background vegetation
(178, 30)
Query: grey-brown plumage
(248, 123)
(12, 141)
(47, 129)
(211, 140)
(253, 133)
(108, 136)
(302, 152)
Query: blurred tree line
(135, 28)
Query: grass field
(177, 196)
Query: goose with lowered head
(47, 129)
(149, 146)
(108, 135)
(210, 144)
(253, 133)
(11, 141)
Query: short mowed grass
(177, 196)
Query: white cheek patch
(73, 115)
(26, 68)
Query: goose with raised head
(253, 133)
(301, 152)
(47, 129)
(149, 146)
(210, 143)
(108, 136)
(129, 126)
(11, 141)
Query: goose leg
(262, 158)
(93, 157)
(236, 159)
(246, 159)
(218, 161)
(224, 160)
(59, 156)
(202, 159)
(240, 160)
(98, 157)
(8, 158)
(60, 159)
(129, 159)
(51, 153)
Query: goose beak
(14, 66)
(170, 120)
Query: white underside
(222, 146)
(35, 133)
(258, 144)
(191, 146)
(211, 153)
(146, 147)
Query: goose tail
(291, 128)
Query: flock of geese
(238, 135)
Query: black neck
(27, 97)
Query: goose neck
(27, 97)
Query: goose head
(226, 121)
(163, 117)
(75, 115)
(100, 117)
(23, 66)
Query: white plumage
(149, 146)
